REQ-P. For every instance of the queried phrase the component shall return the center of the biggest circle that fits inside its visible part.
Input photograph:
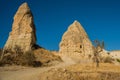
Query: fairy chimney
(75, 41)
(23, 30)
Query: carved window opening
(80, 46)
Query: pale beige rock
(104, 53)
(115, 54)
(23, 30)
(75, 42)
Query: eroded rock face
(115, 54)
(23, 30)
(75, 41)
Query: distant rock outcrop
(23, 30)
(115, 54)
(75, 41)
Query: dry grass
(92, 67)
(26, 59)
(18, 57)
(106, 71)
(36, 58)
(46, 57)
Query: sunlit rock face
(75, 41)
(23, 30)
(115, 54)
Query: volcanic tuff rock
(23, 30)
(75, 41)
(115, 54)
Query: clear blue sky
(100, 18)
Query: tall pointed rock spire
(23, 30)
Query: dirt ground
(67, 70)
(28, 73)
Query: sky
(100, 19)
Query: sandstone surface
(75, 41)
(115, 54)
(23, 30)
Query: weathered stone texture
(23, 30)
(75, 41)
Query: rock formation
(115, 54)
(23, 30)
(75, 41)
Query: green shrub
(118, 60)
